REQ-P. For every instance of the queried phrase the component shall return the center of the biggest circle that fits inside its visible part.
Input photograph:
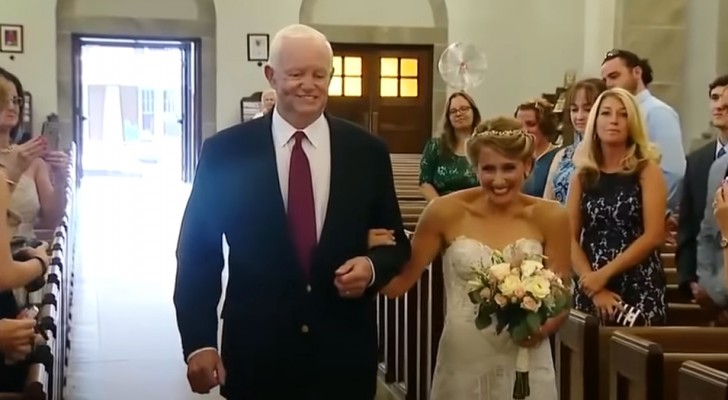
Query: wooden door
(386, 89)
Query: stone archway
(69, 22)
(436, 35)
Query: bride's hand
(381, 237)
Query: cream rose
(538, 286)
(500, 300)
(485, 293)
(510, 284)
(528, 303)
(500, 271)
(529, 267)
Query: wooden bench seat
(698, 381)
(582, 352)
(644, 365)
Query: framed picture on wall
(258, 46)
(11, 38)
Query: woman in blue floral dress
(579, 101)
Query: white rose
(548, 274)
(500, 271)
(485, 293)
(530, 304)
(510, 284)
(500, 300)
(538, 286)
(529, 267)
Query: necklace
(8, 149)
(546, 150)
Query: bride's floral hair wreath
(504, 135)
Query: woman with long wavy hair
(617, 202)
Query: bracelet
(43, 265)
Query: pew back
(698, 381)
(644, 365)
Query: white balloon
(462, 66)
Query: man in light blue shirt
(625, 69)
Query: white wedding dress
(480, 365)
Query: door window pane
(388, 87)
(389, 67)
(408, 87)
(408, 67)
(338, 69)
(352, 66)
(336, 86)
(352, 86)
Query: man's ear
(637, 72)
(268, 71)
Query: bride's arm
(427, 242)
(557, 248)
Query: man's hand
(354, 277)
(205, 371)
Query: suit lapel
(268, 192)
(337, 197)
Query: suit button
(304, 329)
(308, 288)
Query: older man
(295, 193)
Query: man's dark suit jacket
(285, 336)
(692, 208)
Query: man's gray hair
(296, 31)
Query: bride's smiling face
(500, 176)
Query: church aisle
(124, 340)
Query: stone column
(656, 30)
(599, 34)
(722, 49)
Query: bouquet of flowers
(519, 295)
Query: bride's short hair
(504, 135)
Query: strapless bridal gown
(480, 365)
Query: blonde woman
(617, 202)
(468, 225)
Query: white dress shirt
(719, 146)
(317, 147)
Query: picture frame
(11, 38)
(258, 46)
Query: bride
(468, 225)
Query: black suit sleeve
(687, 233)
(199, 258)
(387, 260)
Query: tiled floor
(125, 343)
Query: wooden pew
(698, 381)
(582, 351)
(644, 365)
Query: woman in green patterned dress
(444, 167)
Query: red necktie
(301, 208)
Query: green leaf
(533, 320)
(483, 320)
(475, 297)
(521, 331)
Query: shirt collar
(283, 131)
(718, 146)
(643, 95)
